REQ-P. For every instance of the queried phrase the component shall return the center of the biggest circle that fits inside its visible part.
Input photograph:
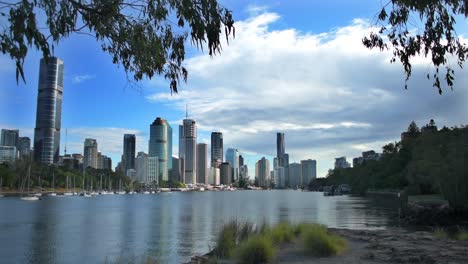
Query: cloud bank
(329, 94)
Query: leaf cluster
(435, 37)
(146, 37)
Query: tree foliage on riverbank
(426, 161)
(13, 176)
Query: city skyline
(322, 118)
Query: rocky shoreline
(434, 215)
(393, 245)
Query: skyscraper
(90, 153)
(282, 158)
(160, 139)
(141, 165)
(232, 156)
(129, 152)
(10, 137)
(262, 172)
(309, 171)
(202, 159)
(24, 146)
(279, 144)
(241, 161)
(216, 149)
(225, 172)
(188, 150)
(49, 111)
(295, 175)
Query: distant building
(131, 173)
(309, 171)
(202, 163)
(225, 171)
(244, 172)
(129, 145)
(341, 163)
(10, 137)
(90, 152)
(295, 175)
(358, 161)
(152, 171)
(280, 177)
(159, 146)
(8, 154)
(280, 145)
(72, 161)
(232, 157)
(214, 178)
(262, 172)
(24, 146)
(188, 150)
(241, 161)
(282, 158)
(175, 172)
(370, 155)
(49, 111)
(141, 165)
(216, 149)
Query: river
(170, 227)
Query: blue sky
(296, 67)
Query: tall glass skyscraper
(159, 145)
(129, 152)
(279, 144)
(49, 111)
(216, 149)
(188, 150)
(232, 157)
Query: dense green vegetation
(13, 177)
(247, 243)
(426, 161)
(318, 242)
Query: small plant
(226, 242)
(462, 235)
(440, 233)
(283, 232)
(257, 249)
(318, 242)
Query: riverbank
(392, 245)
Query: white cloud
(326, 91)
(76, 79)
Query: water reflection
(169, 227)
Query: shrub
(462, 235)
(318, 242)
(440, 233)
(257, 249)
(226, 242)
(283, 232)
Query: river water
(170, 227)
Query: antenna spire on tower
(66, 135)
(186, 111)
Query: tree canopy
(422, 28)
(146, 37)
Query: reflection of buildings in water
(43, 234)
(283, 208)
(326, 213)
(185, 242)
(161, 227)
(128, 228)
